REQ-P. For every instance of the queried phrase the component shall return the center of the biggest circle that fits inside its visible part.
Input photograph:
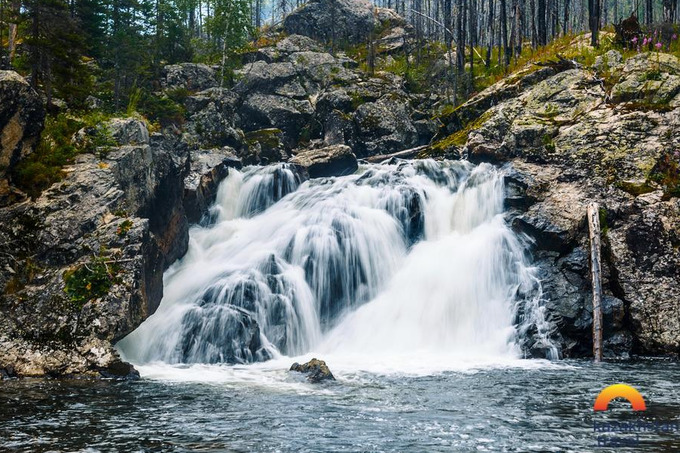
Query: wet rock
(316, 370)
(188, 76)
(337, 160)
(208, 169)
(217, 334)
(22, 113)
(339, 21)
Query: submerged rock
(338, 160)
(316, 371)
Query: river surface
(530, 405)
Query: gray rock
(384, 127)
(208, 169)
(331, 161)
(649, 78)
(188, 76)
(265, 146)
(261, 111)
(22, 113)
(127, 131)
(339, 21)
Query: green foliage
(56, 149)
(604, 225)
(124, 228)
(549, 143)
(167, 109)
(667, 174)
(89, 281)
(457, 139)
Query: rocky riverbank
(610, 134)
(83, 262)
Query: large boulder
(262, 111)
(338, 160)
(188, 76)
(385, 127)
(338, 21)
(22, 114)
(128, 131)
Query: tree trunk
(534, 31)
(13, 29)
(649, 10)
(566, 17)
(504, 31)
(594, 10)
(542, 30)
(596, 271)
(489, 46)
(472, 26)
(668, 10)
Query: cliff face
(567, 140)
(83, 263)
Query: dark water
(511, 409)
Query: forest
(114, 49)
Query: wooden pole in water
(596, 270)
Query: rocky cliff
(83, 263)
(610, 134)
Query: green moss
(549, 143)
(457, 139)
(634, 188)
(268, 138)
(551, 111)
(89, 281)
(357, 99)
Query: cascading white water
(406, 258)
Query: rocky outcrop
(83, 263)
(292, 94)
(188, 76)
(22, 113)
(567, 141)
(337, 21)
(316, 370)
(335, 160)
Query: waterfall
(407, 257)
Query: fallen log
(405, 154)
